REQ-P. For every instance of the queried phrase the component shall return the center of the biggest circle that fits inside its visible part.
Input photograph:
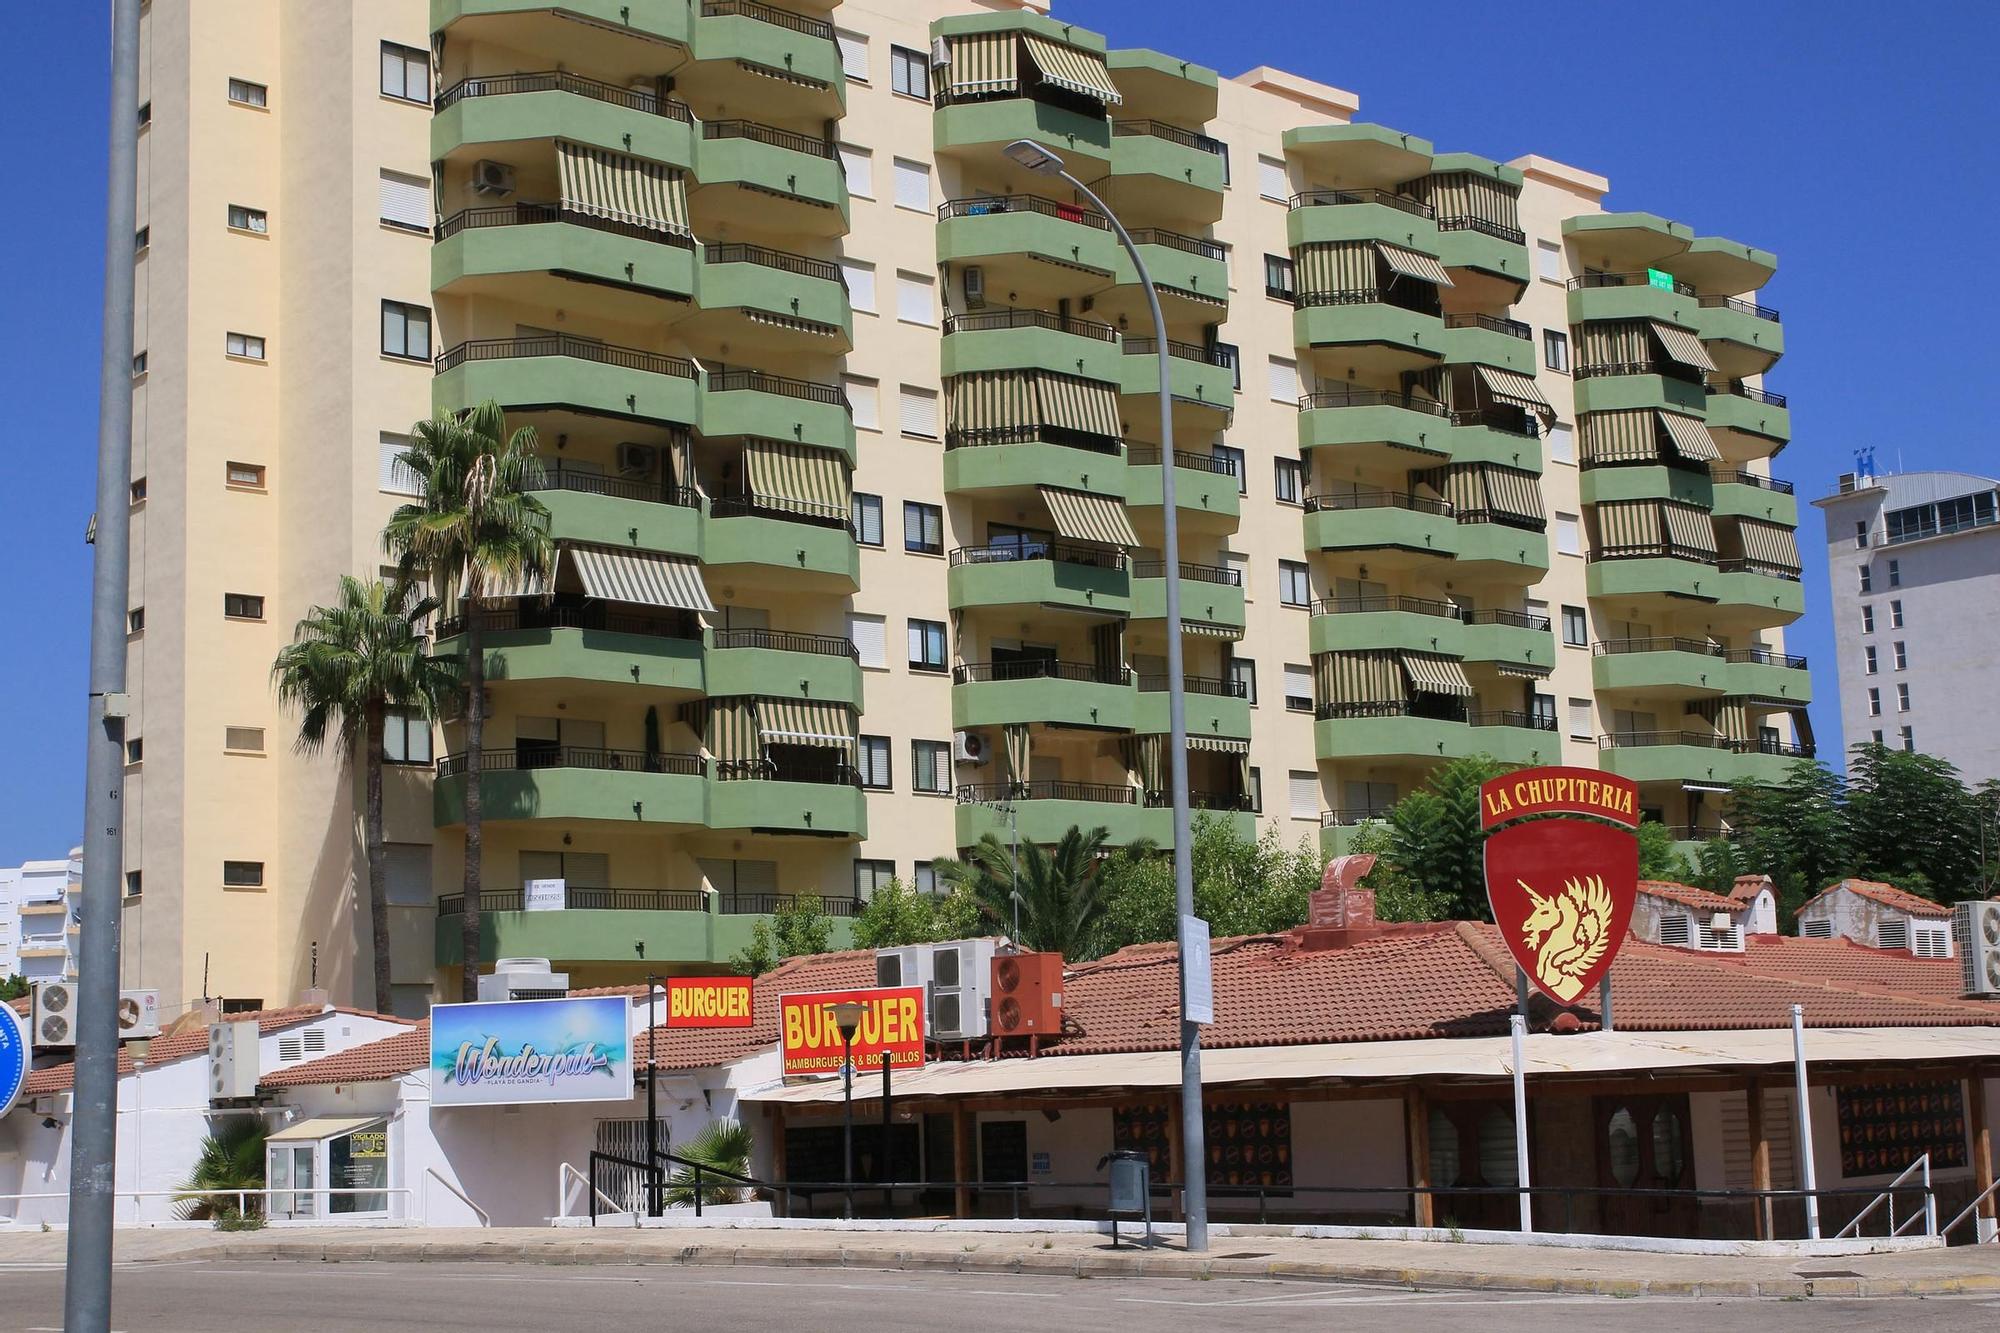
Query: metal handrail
(1356, 396)
(1009, 317)
(1350, 818)
(1059, 552)
(431, 1173)
(1503, 616)
(771, 14)
(502, 85)
(1032, 432)
(593, 617)
(1142, 456)
(562, 1194)
(1738, 477)
(1387, 198)
(1176, 240)
(1513, 328)
(525, 214)
(1511, 717)
(1046, 789)
(1701, 740)
(1416, 504)
(1422, 606)
(1968, 1211)
(990, 205)
(1452, 711)
(1226, 687)
(790, 140)
(1184, 351)
(1039, 668)
(1920, 1167)
(530, 756)
(1738, 389)
(1157, 569)
(741, 252)
(1740, 306)
(1745, 565)
(786, 641)
(557, 477)
(1768, 657)
(1499, 231)
(1160, 129)
(578, 898)
(1660, 366)
(562, 344)
(1653, 551)
(1643, 278)
(760, 381)
(1656, 644)
(767, 904)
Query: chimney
(1339, 902)
(314, 997)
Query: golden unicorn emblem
(1568, 932)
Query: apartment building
(1906, 556)
(854, 460)
(39, 901)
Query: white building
(1684, 917)
(10, 923)
(46, 897)
(1880, 916)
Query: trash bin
(1131, 1190)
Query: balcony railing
(1387, 198)
(1185, 351)
(530, 215)
(579, 899)
(768, 134)
(1033, 433)
(737, 252)
(1738, 389)
(1727, 477)
(1656, 644)
(989, 205)
(1704, 740)
(531, 616)
(562, 344)
(1354, 396)
(1513, 328)
(784, 386)
(783, 508)
(1341, 502)
(1144, 456)
(1174, 240)
(981, 321)
(1039, 668)
(556, 81)
(1157, 569)
(1159, 129)
(1767, 657)
(1046, 789)
(1740, 306)
(1502, 616)
(1421, 606)
(1745, 565)
(1201, 800)
(825, 769)
(777, 18)
(1507, 420)
(1499, 231)
(1511, 717)
(1401, 297)
(560, 476)
(768, 904)
(1350, 818)
(1061, 552)
(786, 641)
(1661, 366)
(1215, 687)
(531, 756)
(1435, 708)
(1587, 281)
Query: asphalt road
(284, 1295)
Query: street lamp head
(1034, 157)
(846, 1017)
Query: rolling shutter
(870, 637)
(393, 475)
(1303, 790)
(406, 201)
(1284, 380)
(917, 412)
(1298, 682)
(853, 54)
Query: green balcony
(1371, 336)
(1758, 596)
(755, 280)
(1663, 666)
(1016, 237)
(1748, 422)
(1479, 244)
(1340, 839)
(1197, 377)
(1052, 809)
(1508, 636)
(1009, 339)
(665, 23)
(1057, 574)
(742, 403)
(1768, 674)
(672, 926)
(1601, 485)
(1382, 521)
(609, 786)
(1023, 467)
(1627, 296)
(772, 179)
(987, 694)
(1191, 273)
(1407, 737)
(781, 664)
(1358, 155)
(1626, 242)
(1743, 338)
(513, 110)
(978, 131)
(1209, 594)
(1153, 78)
(1748, 495)
(1610, 393)
(1213, 709)
(1361, 215)
(1653, 576)
(1678, 757)
(616, 511)
(1489, 340)
(1480, 438)
(758, 544)
(1411, 624)
(586, 644)
(485, 243)
(1369, 426)
(1161, 170)
(1205, 493)
(798, 50)
(555, 370)
(825, 809)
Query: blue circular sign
(13, 1055)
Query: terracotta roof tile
(1701, 900)
(1886, 894)
(193, 1040)
(685, 1048)
(1844, 962)
(387, 1057)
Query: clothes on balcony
(1769, 544)
(1071, 67)
(1682, 346)
(642, 578)
(621, 188)
(981, 62)
(1084, 517)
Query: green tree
(1796, 832)
(799, 927)
(14, 987)
(231, 1158)
(722, 1144)
(1657, 857)
(348, 665)
(1436, 837)
(1398, 897)
(903, 914)
(1913, 823)
(1241, 886)
(1062, 901)
(477, 532)
(1717, 865)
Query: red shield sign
(1562, 892)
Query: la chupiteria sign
(1561, 889)
(892, 1021)
(510, 1052)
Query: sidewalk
(1417, 1264)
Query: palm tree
(348, 665)
(478, 532)
(1061, 899)
(232, 1158)
(724, 1145)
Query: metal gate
(626, 1138)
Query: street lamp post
(847, 1017)
(652, 1111)
(1194, 1153)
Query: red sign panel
(708, 1002)
(1573, 791)
(891, 1019)
(1562, 892)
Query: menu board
(1249, 1143)
(1885, 1127)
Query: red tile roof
(193, 1040)
(1747, 887)
(21, 1005)
(684, 1048)
(1843, 962)
(1701, 900)
(1886, 894)
(388, 1057)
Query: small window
(864, 401)
(138, 363)
(1298, 688)
(1294, 583)
(1272, 183)
(1229, 354)
(1232, 457)
(870, 876)
(1895, 613)
(1868, 617)
(930, 767)
(1569, 540)
(1576, 627)
(867, 519)
(1903, 698)
(1302, 789)
(926, 645)
(406, 739)
(853, 54)
(1562, 443)
(393, 473)
(249, 219)
(1869, 665)
(135, 620)
(915, 301)
(1874, 701)
(1555, 350)
(1280, 278)
(138, 489)
(243, 740)
(875, 772)
(917, 410)
(858, 166)
(247, 345)
(1909, 739)
(135, 750)
(910, 72)
(142, 238)
(145, 114)
(1548, 261)
(241, 91)
(134, 884)
(1579, 719)
(1867, 578)
(1243, 673)
(1256, 791)
(1878, 735)
(242, 606)
(1895, 573)
(1902, 656)
(869, 635)
(248, 475)
(1288, 479)
(923, 877)
(404, 202)
(923, 528)
(913, 185)
(1861, 534)
(406, 73)
(243, 874)
(406, 331)
(1283, 374)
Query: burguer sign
(1561, 889)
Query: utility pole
(94, 1132)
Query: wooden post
(1982, 1151)
(1760, 1156)
(1417, 1119)
(961, 1160)
(781, 1202)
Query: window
(1903, 698)
(1542, 708)
(406, 738)
(1298, 688)
(1860, 534)
(871, 875)
(243, 874)
(250, 740)
(1243, 671)
(918, 412)
(914, 301)
(145, 114)
(869, 635)
(1548, 261)
(138, 490)
(1867, 617)
(1902, 656)
(1868, 662)
(864, 401)
(393, 474)
(406, 331)
(1284, 380)
(245, 474)
(1562, 443)
(1302, 787)
(1895, 573)
(138, 363)
(858, 165)
(133, 883)
(1579, 719)
(1294, 583)
(910, 72)
(1576, 627)
(135, 750)
(1874, 702)
(1568, 539)
(867, 518)
(1867, 578)
(930, 767)
(142, 238)
(249, 219)
(860, 280)
(913, 185)
(244, 344)
(135, 620)
(1288, 477)
(1272, 182)
(923, 877)
(923, 528)
(1878, 735)
(1280, 278)
(1895, 613)
(926, 645)
(853, 54)
(241, 91)
(1555, 350)
(242, 606)
(875, 762)
(1257, 791)
(404, 201)
(406, 73)
(1909, 739)
(1231, 455)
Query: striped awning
(1512, 387)
(785, 471)
(1363, 677)
(1335, 266)
(805, 722)
(727, 727)
(1430, 673)
(1682, 346)
(622, 188)
(981, 62)
(1217, 745)
(1691, 438)
(1075, 403)
(1770, 544)
(1084, 517)
(1522, 670)
(990, 400)
(1514, 493)
(790, 322)
(1210, 629)
(643, 578)
(1690, 527)
(1071, 67)
(1628, 523)
(1624, 436)
(1412, 264)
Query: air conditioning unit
(490, 177)
(1027, 994)
(523, 979)
(232, 1061)
(970, 747)
(138, 1014)
(975, 287)
(961, 980)
(909, 965)
(1977, 926)
(637, 460)
(52, 1014)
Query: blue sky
(1839, 134)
